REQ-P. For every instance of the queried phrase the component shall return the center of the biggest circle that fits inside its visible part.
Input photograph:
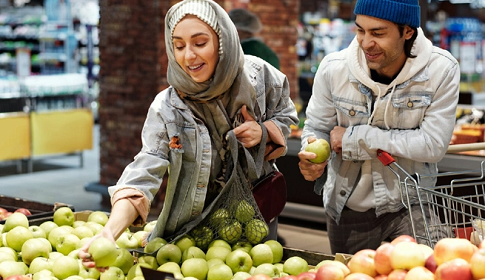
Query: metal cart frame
(455, 208)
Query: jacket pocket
(410, 109)
(356, 112)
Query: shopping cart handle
(385, 157)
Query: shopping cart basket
(454, 207)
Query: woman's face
(196, 48)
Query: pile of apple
(405, 259)
(4, 213)
(49, 251)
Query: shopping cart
(454, 207)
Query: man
(391, 89)
(247, 25)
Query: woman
(213, 89)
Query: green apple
(112, 273)
(78, 223)
(88, 272)
(241, 275)
(220, 242)
(266, 269)
(65, 266)
(55, 255)
(169, 253)
(213, 262)
(82, 231)
(154, 244)
(321, 148)
(203, 236)
(277, 249)
(97, 228)
(74, 277)
(4, 256)
(47, 226)
(103, 252)
(135, 271)
(279, 266)
(14, 220)
(244, 211)
(218, 216)
(10, 252)
(63, 216)
(99, 217)
(142, 235)
(10, 268)
(220, 272)
(34, 248)
(185, 242)
(217, 252)
(150, 260)
(39, 264)
(67, 243)
(44, 274)
(169, 267)
(239, 260)
(148, 227)
(124, 260)
(192, 252)
(256, 231)
(127, 241)
(17, 236)
(261, 253)
(56, 233)
(74, 254)
(37, 231)
(195, 267)
(295, 265)
(230, 231)
(242, 245)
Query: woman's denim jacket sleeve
(174, 140)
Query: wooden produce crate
(39, 210)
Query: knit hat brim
(405, 12)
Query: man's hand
(248, 133)
(310, 171)
(336, 136)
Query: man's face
(382, 44)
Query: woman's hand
(310, 171)
(86, 257)
(248, 133)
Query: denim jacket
(413, 120)
(189, 165)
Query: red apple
(260, 277)
(288, 277)
(419, 272)
(329, 272)
(18, 277)
(306, 276)
(477, 263)
(380, 277)
(407, 255)
(363, 261)
(451, 248)
(430, 264)
(3, 211)
(382, 260)
(397, 274)
(358, 276)
(454, 269)
(25, 211)
(403, 238)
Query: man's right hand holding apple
(310, 171)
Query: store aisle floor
(62, 179)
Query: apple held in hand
(321, 148)
(103, 252)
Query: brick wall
(131, 40)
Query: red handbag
(270, 195)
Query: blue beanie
(405, 12)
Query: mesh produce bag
(233, 215)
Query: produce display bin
(40, 211)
